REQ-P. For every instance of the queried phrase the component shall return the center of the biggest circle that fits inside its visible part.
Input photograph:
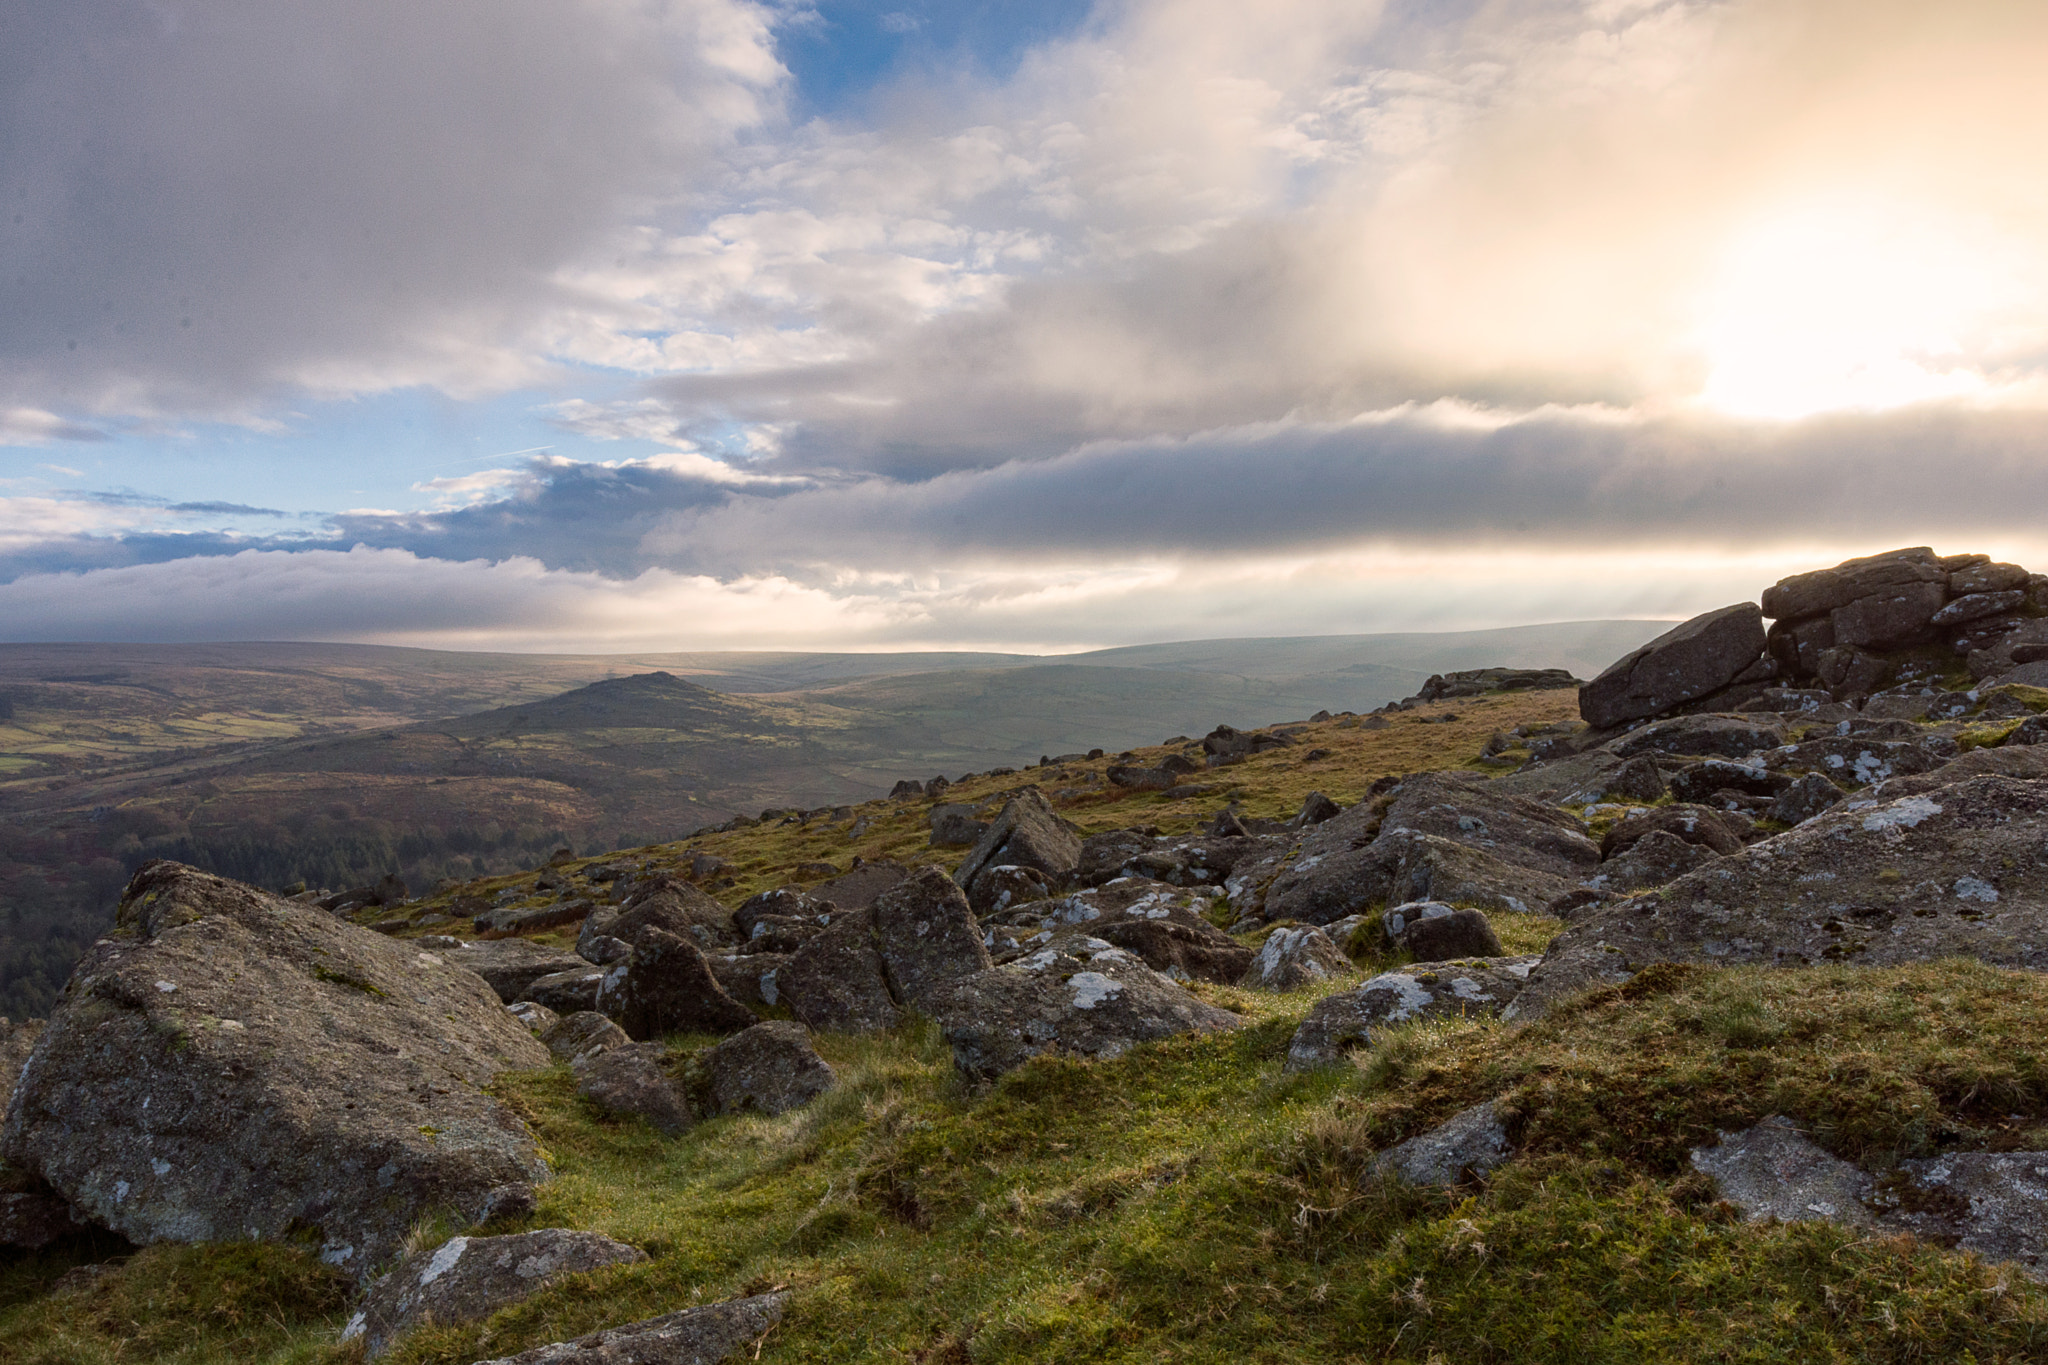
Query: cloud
(209, 205)
(21, 426)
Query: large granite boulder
(466, 1278)
(1960, 871)
(1293, 957)
(1691, 661)
(1026, 833)
(694, 1336)
(633, 1082)
(227, 1064)
(926, 935)
(1077, 994)
(666, 986)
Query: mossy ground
(1190, 1202)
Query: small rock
(578, 1037)
(695, 1336)
(1294, 957)
(1435, 932)
(467, 1278)
(1468, 1144)
(630, 1080)
(1480, 987)
(771, 1068)
(567, 992)
(666, 986)
(537, 1017)
(1656, 858)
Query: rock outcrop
(228, 1064)
(1475, 988)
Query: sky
(1042, 325)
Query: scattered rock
(510, 965)
(1705, 736)
(1025, 834)
(1639, 779)
(1656, 858)
(753, 979)
(630, 1081)
(1435, 932)
(835, 983)
(954, 826)
(856, 890)
(1077, 994)
(538, 1018)
(1693, 823)
(568, 992)
(1005, 885)
(1468, 1144)
(666, 986)
(577, 1037)
(1156, 921)
(467, 1278)
(1315, 808)
(229, 1065)
(1804, 799)
(695, 1336)
(771, 1068)
(1294, 957)
(1339, 1023)
(927, 936)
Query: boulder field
(1863, 781)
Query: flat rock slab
(1961, 871)
(1773, 1171)
(1077, 994)
(1475, 987)
(228, 1065)
(510, 964)
(695, 1336)
(466, 1278)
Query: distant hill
(336, 763)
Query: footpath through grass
(1190, 1203)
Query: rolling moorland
(334, 765)
(1712, 1039)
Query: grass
(1190, 1202)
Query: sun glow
(1853, 304)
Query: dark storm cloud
(204, 203)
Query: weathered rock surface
(1686, 663)
(1705, 736)
(1339, 1023)
(1470, 1143)
(510, 965)
(771, 1068)
(695, 1336)
(16, 1042)
(1656, 858)
(1158, 922)
(926, 935)
(1959, 871)
(2003, 1198)
(678, 908)
(575, 1037)
(836, 984)
(2008, 760)
(1431, 931)
(31, 1219)
(1027, 833)
(466, 1278)
(1077, 994)
(1772, 1171)
(856, 890)
(1804, 799)
(1440, 838)
(537, 1018)
(227, 1064)
(753, 979)
(666, 986)
(1293, 957)
(1695, 824)
(631, 1081)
